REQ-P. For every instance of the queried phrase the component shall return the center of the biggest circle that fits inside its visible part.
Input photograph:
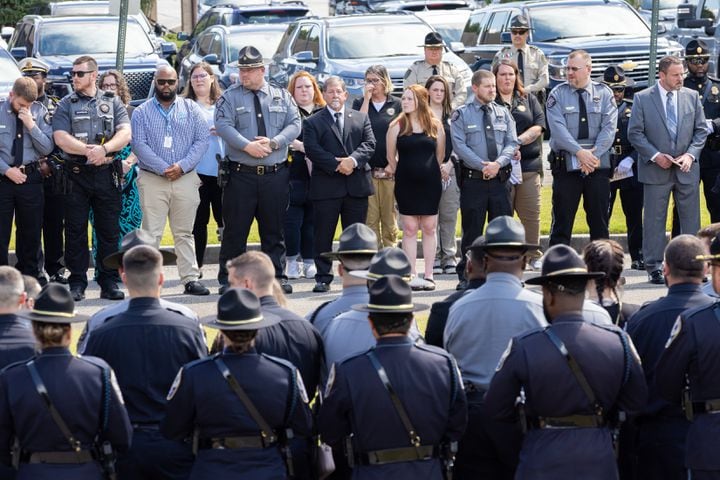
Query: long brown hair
(215, 90)
(317, 94)
(123, 91)
(427, 120)
(446, 105)
(519, 88)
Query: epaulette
(19, 363)
(690, 312)
(96, 361)
(279, 361)
(713, 79)
(432, 349)
(361, 354)
(608, 327)
(533, 47)
(602, 85)
(200, 361)
(314, 315)
(530, 332)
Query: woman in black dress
(415, 149)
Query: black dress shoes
(462, 285)
(656, 277)
(321, 287)
(112, 293)
(286, 287)
(637, 265)
(78, 293)
(196, 288)
(223, 288)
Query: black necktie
(521, 65)
(583, 131)
(338, 122)
(260, 119)
(434, 69)
(489, 134)
(17, 148)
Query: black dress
(418, 185)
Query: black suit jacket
(323, 143)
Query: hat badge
(616, 77)
(699, 50)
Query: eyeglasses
(518, 32)
(163, 81)
(108, 86)
(698, 60)
(576, 69)
(373, 80)
(80, 73)
(199, 76)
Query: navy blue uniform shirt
(17, 341)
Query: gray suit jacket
(648, 133)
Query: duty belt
(707, 406)
(258, 169)
(234, 443)
(396, 455)
(146, 427)
(471, 173)
(620, 150)
(570, 421)
(81, 456)
(27, 169)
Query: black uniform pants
(480, 199)
(489, 449)
(92, 187)
(210, 196)
(709, 176)
(661, 448)
(631, 200)
(25, 203)
(153, 457)
(249, 196)
(53, 224)
(568, 187)
(325, 218)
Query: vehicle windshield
(384, 40)
(585, 21)
(450, 27)
(60, 10)
(266, 42)
(88, 38)
(664, 4)
(271, 15)
(212, 3)
(9, 70)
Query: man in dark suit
(339, 142)
(668, 154)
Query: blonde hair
(425, 117)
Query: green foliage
(11, 11)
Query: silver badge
(175, 385)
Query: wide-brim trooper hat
(239, 309)
(388, 261)
(697, 48)
(133, 239)
(519, 22)
(250, 57)
(357, 239)
(614, 76)
(54, 304)
(714, 256)
(561, 263)
(390, 294)
(504, 232)
(433, 40)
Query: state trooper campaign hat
(388, 261)
(357, 239)
(239, 309)
(714, 256)
(697, 48)
(390, 294)
(504, 232)
(32, 66)
(614, 76)
(250, 57)
(560, 263)
(433, 40)
(519, 22)
(54, 304)
(133, 239)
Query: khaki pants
(161, 201)
(447, 223)
(381, 216)
(525, 200)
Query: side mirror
(505, 37)
(305, 56)
(212, 59)
(457, 47)
(19, 53)
(7, 32)
(661, 28)
(182, 36)
(168, 48)
(710, 31)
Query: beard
(166, 96)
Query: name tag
(569, 109)
(276, 108)
(81, 112)
(168, 141)
(240, 109)
(471, 127)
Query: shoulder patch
(218, 104)
(551, 101)
(407, 74)
(116, 386)
(677, 327)
(504, 356)
(301, 387)
(455, 115)
(175, 385)
(330, 381)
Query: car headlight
(557, 67)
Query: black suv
(58, 41)
(230, 14)
(611, 31)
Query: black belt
(570, 421)
(234, 443)
(707, 406)
(471, 173)
(81, 167)
(473, 388)
(82, 456)
(258, 169)
(396, 455)
(620, 150)
(146, 427)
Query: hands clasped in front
(665, 161)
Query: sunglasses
(698, 60)
(80, 73)
(162, 81)
(619, 89)
(518, 32)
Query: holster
(223, 170)
(687, 403)
(556, 160)
(504, 173)
(106, 457)
(713, 142)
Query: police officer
(371, 400)
(71, 408)
(17, 341)
(531, 61)
(569, 394)
(89, 126)
(208, 399)
(688, 369)
(433, 64)
(484, 139)
(582, 117)
(257, 121)
(54, 203)
(25, 137)
(355, 250)
(623, 158)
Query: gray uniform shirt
(481, 324)
(535, 66)
(563, 119)
(36, 142)
(352, 295)
(420, 71)
(468, 134)
(85, 118)
(236, 122)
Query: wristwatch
(274, 145)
